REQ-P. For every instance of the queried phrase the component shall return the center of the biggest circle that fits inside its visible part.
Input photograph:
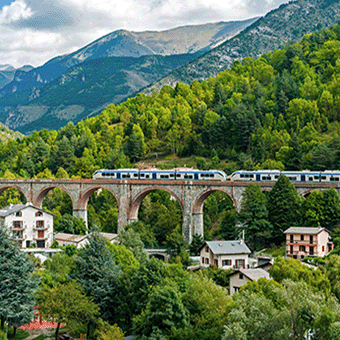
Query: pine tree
(18, 283)
(282, 206)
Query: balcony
(301, 253)
(302, 242)
(19, 238)
(37, 238)
(13, 228)
(37, 228)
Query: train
(294, 176)
(185, 174)
(189, 174)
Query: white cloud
(16, 11)
(33, 31)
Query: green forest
(280, 111)
(110, 290)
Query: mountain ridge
(289, 23)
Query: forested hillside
(281, 111)
(281, 26)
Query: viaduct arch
(129, 195)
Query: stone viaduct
(129, 195)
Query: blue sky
(34, 31)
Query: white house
(225, 254)
(28, 225)
(240, 277)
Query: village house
(304, 241)
(240, 277)
(225, 254)
(28, 225)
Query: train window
(292, 178)
(323, 178)
(310, 178)
(211, 175)
(316, 177)
(191, 177)
(266, 178)
(334, 179)
(186, 176)
(172, 175)
(276, 176)
(135, 175)
(146, 176)
(242, 176)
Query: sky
(34, 31)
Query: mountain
(284, 25)
(7, 73)
(87, 88)
(186, 39)
(21, 101)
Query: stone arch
(137, 200)
(82, 203)
(197, 207)
(5, 187)
(38, 199)
(306, 193)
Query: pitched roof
(227, 247)
(304, 230)
(69, 237)
(14, 208)
(253, 274)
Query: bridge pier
(198, 224)
(81, 214)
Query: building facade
(224, 254)
(28, 225)
(303, 241)
(240, 277)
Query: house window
(202, 259)
(18, 214)
(236, 289)
(40, 224)
(216, 263)
(41, 244)
(226, 263)
(323, 248)
(41, 234)
(38, 213)
(291, 238)
(239, 263)
(302, 237)
(17, 224)
(311, 239)
(207, 249)
(302, 248)
(311, 250)
(241, 276)
(206, 261)
(291, 250)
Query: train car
(255, 175)
(185, 174)
(294, 176)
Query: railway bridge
(129, 195)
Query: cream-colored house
(28, 225)
(304, 241)
(240, 277)
(224, 254)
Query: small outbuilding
(240, 277)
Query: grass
(21, 334)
